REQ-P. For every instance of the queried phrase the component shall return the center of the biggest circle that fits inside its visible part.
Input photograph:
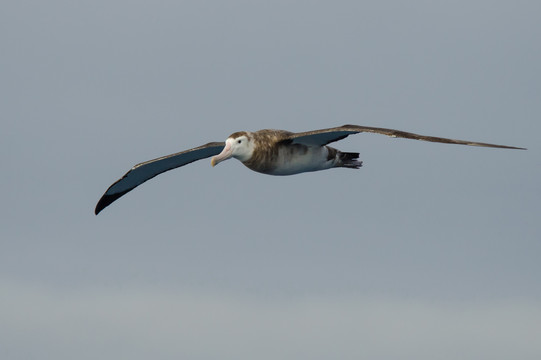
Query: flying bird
(272, 152)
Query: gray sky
(430, 251)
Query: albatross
(272, 152)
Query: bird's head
(239, 145)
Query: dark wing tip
(407, 135)
(107, 199)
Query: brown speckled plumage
(268, 145)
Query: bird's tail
(349, 160)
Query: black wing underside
(149, 169)
(326, 136)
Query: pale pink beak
(226, 153)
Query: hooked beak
(226, 153)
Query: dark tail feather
(349, 160)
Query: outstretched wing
(326, 136)
(148, 169)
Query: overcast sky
(430, 251)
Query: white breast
(291, 162)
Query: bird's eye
(239, 141)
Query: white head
(239, 145)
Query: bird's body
(272, 152)
(275, 154)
